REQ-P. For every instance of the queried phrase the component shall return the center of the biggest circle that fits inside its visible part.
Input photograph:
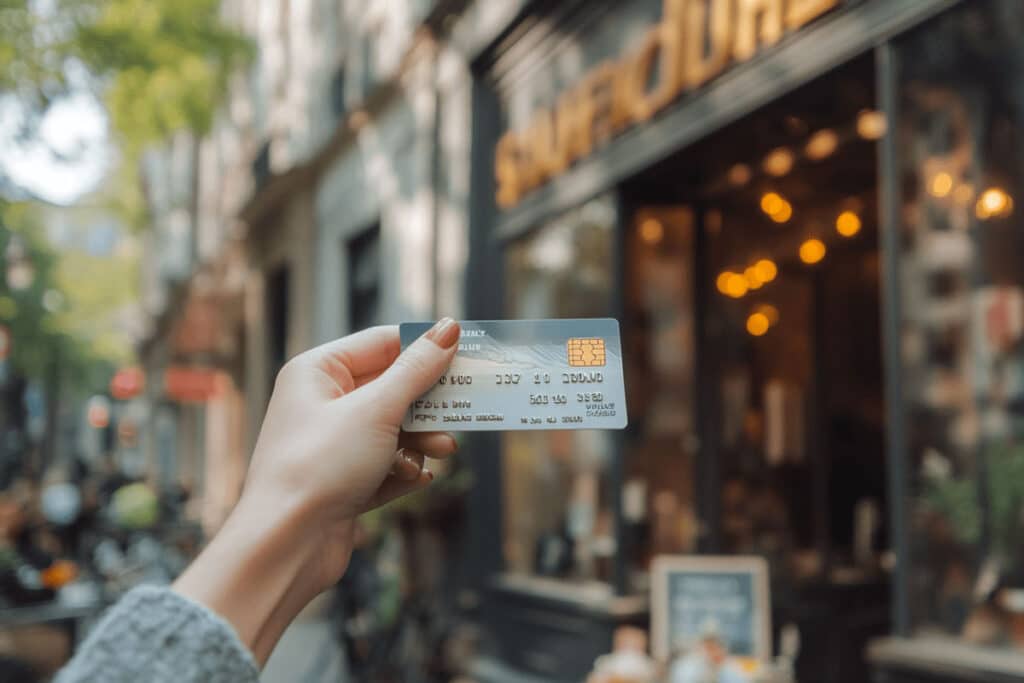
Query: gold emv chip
(585, 353)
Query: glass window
(558, 522)
(364, 263)
(753, 282)
(791, 291)
(658, 504)
(960, 143)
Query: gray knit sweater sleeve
(158, 636)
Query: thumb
(417, 369)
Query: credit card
(525, 374)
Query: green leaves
(161, 65)
(79, 332)
(167, 64)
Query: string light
(822, 144)
(652, 231)
(777, 208)
(766, 270)
(871, 124)
(758, 324)
(848, 224)
(993, 203)
(779, 162)
(736, 286)
(754, 280)
(940, 185)
(812, 251)
(723, 281)
(783, 214)
(771, 202)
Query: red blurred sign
(191, 385)
(127, 383)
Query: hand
(329, 449)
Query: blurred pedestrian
(330, 448)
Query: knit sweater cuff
(156, 634)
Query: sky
(76, 128)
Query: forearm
(250, 573)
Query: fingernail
(444, 333)
(407, 466)
(455, 443)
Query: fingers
(415, 370)
(393, 488)
(365, 353)
(408, 464)
(437, 445)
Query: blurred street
(308, 652)
(793, 223)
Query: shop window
(959, 142)
(761, 432)
(659, 507)
(362, 256)
(557, 515)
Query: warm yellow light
(758, 324)
(770, 312)
(754, 280)
(736, 286)
(993, 203)
(723, 281)
(963, 194)
(812, 251)
(822, 144)
(771, 202)
(871, 124)
(779, 162)
(784, 213)
(651, 231)
(848, 224)
(739, 175)
(941, 184)
(766, 270)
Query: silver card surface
(526, 374)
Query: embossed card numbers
(526, 374)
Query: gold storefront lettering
(693, 43)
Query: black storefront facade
(802, 213)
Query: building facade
(315, 205)
(802, 215)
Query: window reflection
(962, 284)
(557, 519)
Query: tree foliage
(166, 63)
(38, 336)
(160, 65)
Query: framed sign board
(696, 596)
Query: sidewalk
(308, 651)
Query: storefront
(802, 213)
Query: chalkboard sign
(696, 597)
